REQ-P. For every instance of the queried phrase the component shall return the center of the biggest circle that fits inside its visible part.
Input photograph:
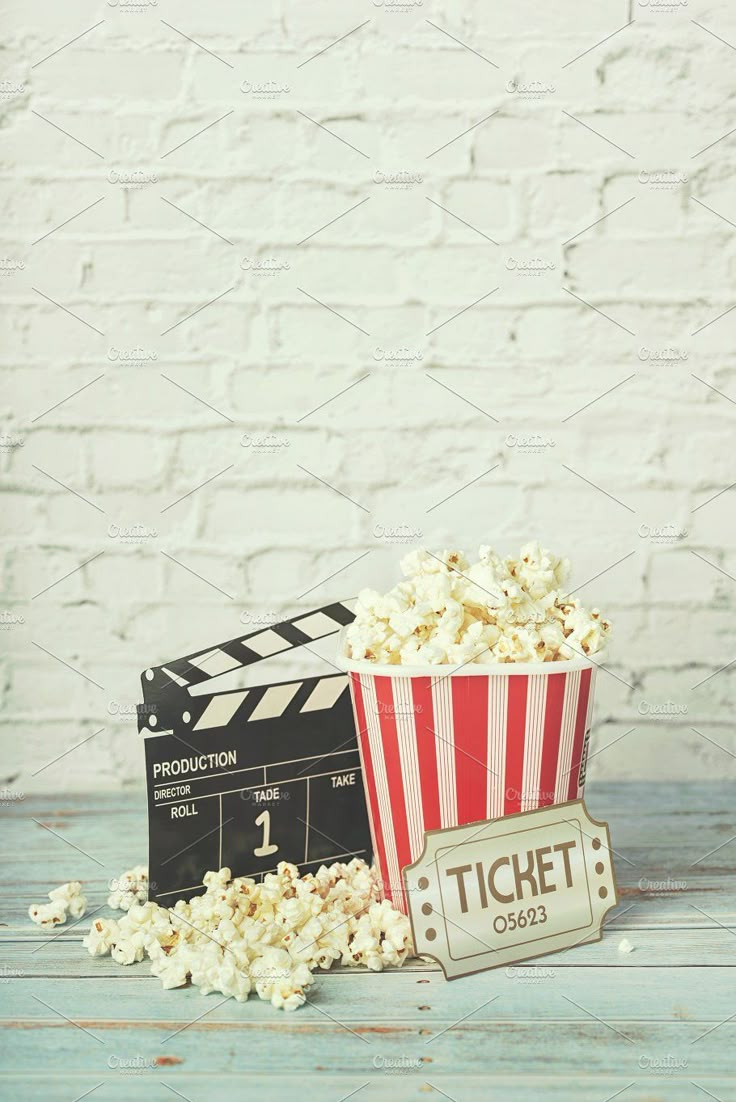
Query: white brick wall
(265, 178)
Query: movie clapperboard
(248, 777)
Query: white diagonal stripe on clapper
(370, 706)
(407, 739)
(567, 734)
(536, 698)
(498, 692)
(445, 749)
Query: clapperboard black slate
(249, 777)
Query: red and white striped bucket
(458, 745)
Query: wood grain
(583, 1024)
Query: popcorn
(495, 610)
(129, 888)
(128, 950)
(102, 935)
(241, 936)
(279, 980)
(48, 915)
(66, 900)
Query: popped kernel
(47, 915)
(129, 888)
(66, 900)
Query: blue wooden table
(590, 1023)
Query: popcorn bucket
(461, 744)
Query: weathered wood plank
(399, 1086)
(318, 1047)
(526, 992)
(674, 946)
(694, 909)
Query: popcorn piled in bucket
(242, 936)
(495, 610)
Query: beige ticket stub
(503, 890)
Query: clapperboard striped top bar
(165, 686)
(206, 713)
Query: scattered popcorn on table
(71, 896)
(101, 937)
(241, 936)
(496, 610)
(66, 900)
(625, 946)
(48, 915)
(129, 888)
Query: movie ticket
(503, 890)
